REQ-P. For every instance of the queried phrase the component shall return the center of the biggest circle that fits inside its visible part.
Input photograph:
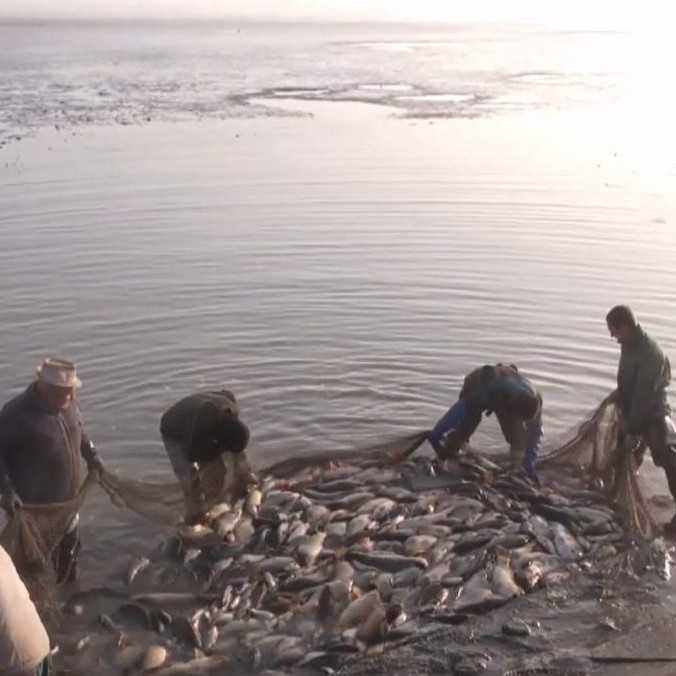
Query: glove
(11, 502)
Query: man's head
(621, 323)
(233, 435)
(56, 383)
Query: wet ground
(569, 629)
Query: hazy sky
(564, 13)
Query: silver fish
(253, 502)
(177, 599)
(384, 561)
(196, 667)
(357, 611)
(135, 567)
(309, 548)
(419, 544)
(502, 576)
(278, 564)
(566, 545)
(358, 525)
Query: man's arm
(10, 500)
(449, 423)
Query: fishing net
(593, 448)
(223, 479)
(32, 534)
(590, 446)
(30, 538)
(385, 452)
(161, 503)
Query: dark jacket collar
(34, 400)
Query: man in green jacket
(643, 376)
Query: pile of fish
(347, 558)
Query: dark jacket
(40, 451)
(497, 389)
(205, 424)
(643, 376)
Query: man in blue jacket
(516, 403)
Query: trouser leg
(66, 553)
(43, 667)
(188, 479)
(453, 429)
(663, 453)
(456, 438)
(514, 431)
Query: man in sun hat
(41, 441)
(205, 441)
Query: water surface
(340, 265)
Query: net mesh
(30, 538)
(162, 502)
(592, 446)
(390, 451)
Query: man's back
(643, 374)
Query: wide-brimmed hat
(58, 372)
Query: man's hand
(11, 502)
(450, 445)
(630, 442)
(621, 425)
(95, 466)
